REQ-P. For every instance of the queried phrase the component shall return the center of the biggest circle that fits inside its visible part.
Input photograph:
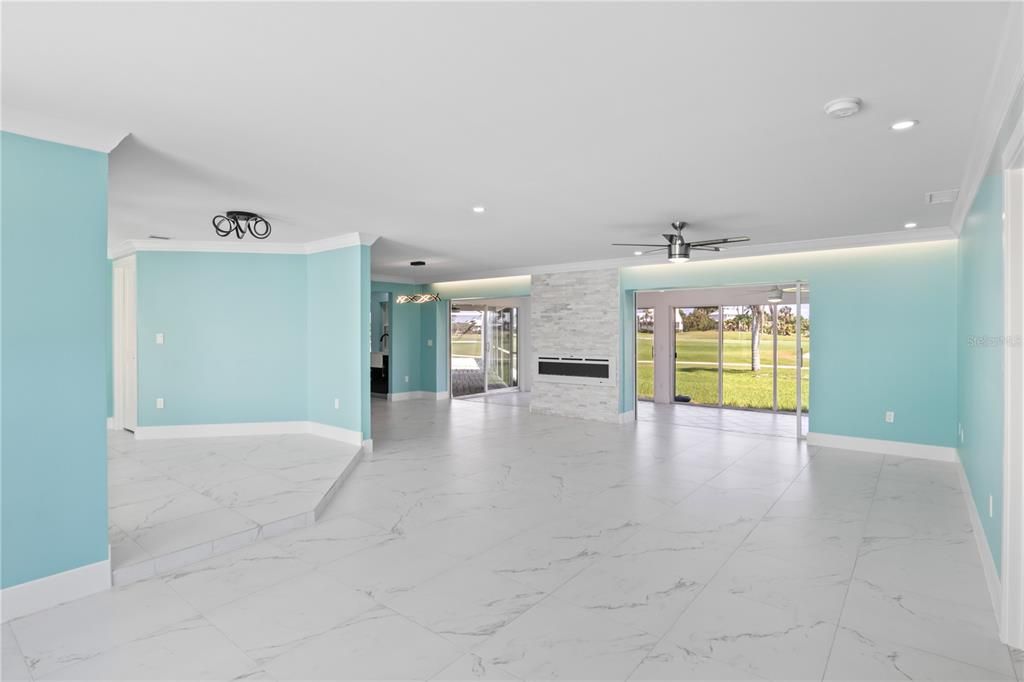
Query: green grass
(740, 386)
(703, 347)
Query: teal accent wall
(496, 287)
(883, 336)
(338, 334)
(53, 313)
(406, 356)
(234, 330)
(980, 355)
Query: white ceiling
(575, 125)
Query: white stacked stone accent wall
(576, 314)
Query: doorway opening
(484, 348)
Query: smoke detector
(844, 107)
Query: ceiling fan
(679, 249)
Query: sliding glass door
(484, 349)
(502, 348)
(742, 356)
(696, 355)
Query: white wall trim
(1011, 610)
(418, 395)
(1007, 79)
(76, 133)
(340, 241)
(987, 561)
(336, 433)
(883, 447)
(251, 429)
(43, 593)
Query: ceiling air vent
(946, 196)
(157, 236)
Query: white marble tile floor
(175, 502)
(487, 543)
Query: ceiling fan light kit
(239, 222)
(678, 249)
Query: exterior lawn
(740, 386)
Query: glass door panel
(502, 350)
(467, 349)
(645, 353)
(788, 356)
(747, 357)
(696, 351)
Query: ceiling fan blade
(660, 249)
(726, 240)
(660, 246)
(706, 248)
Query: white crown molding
(73, 133)
(341, 241)
(43, 593)
(926, 234)
(878, 446)
(1005, 84)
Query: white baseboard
(883, 447)
(626, 417)
(987, 561)
(250, 429)
(20, 600)
(418, 395)
(334, 433)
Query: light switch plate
(430, 342)
(159, 403)
(890, 417)
(159, 338)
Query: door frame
(1011, 607)
(125, 343)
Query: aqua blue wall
(406, 357)
(497, 287)
(53, 297)
(234, 330)
(338, 338)
(884, 332)
(980, 357)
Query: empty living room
(472, 340)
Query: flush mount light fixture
(903, 125)
(417, 298)
(775, 295)
(844, 107)
(417, 263)
(478, 209)
(910, 226)
(240, 222)
(638, 253)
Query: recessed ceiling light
(417, 263)
(638, 253)
(478, 209)
(909, 225)
(903, 125)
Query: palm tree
(756, 322)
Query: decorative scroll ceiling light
(240, 222)
(417, 298)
